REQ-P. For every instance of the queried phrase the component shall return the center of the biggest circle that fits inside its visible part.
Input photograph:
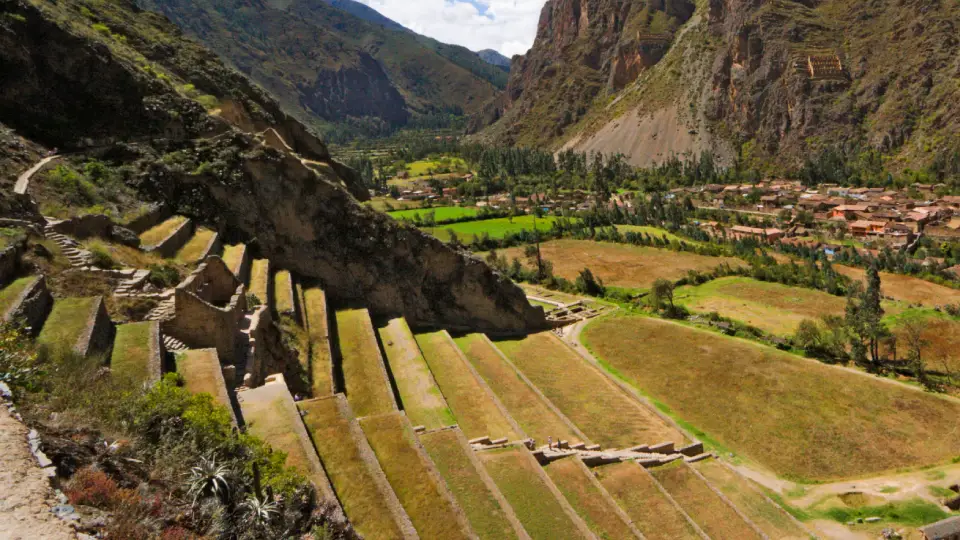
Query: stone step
(173, 344)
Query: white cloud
(508, 26)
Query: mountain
(367, 13)
(491, 56)
(327, 66)
(773, 82)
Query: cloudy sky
(508, 26)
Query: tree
(587, 283)
(660, 293)
(916, 341)
(864, 317)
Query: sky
(507, 26)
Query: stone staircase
(173, 344)
(72, 250)
(164, 311)
(132, 285)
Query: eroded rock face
(356, 91)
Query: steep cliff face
(205, 156)
(358, 91)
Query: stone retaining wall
(172, 243)
(157, 353)
(98, 336)
(153, 217)
(32, 307)
(10, 261)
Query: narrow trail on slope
(23, 181)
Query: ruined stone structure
(825, 67)
(172, 243)
(32, 307)
(98, 336)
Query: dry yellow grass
(260, 280)
(907, 288)
(367, 387)
(283, 293)
(160, 233)
(321, 363)
(422, 400)
(577, 485)
(233, 257)
(196, 248)
(636, 492)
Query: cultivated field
(394, 443)
(475, 410)
(621, 265)
(160, 233)
(654, 232)
(321, 364)
(451, 455)
(941, 336)
(578, 486)
(651, 511)
(428, 167)
(519, 478)
(907, 288)
(598, 407)
(527, 408)
(196, 247)
(364, 375)
(356, 488)
(496, 228)
(703, 505)
(131, 353)
(440, 213)
(802, 419)
(422, 400)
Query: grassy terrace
(408, 472)
(484, 512)
(367, 386)
(131, 359)
(67, 322)
(202, 374)
(283, 292)
(597, 406)
(637, 493)
(519, 478)
(941, 334)
(440, 214)
(907, 288)
(802, 419)
(496, 228)
(356, 488)
(160, 233)
(233, 257)
(534, 416)
(477, 414)
(709, 511)
(10, 293)
(260, 280)
(771, 519)
(578, 486)
(321, 365)
(655, 232)
(194, 250)
(422, 399)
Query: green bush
(163, 276)
(19, 366)
(102, 257)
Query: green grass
(599, 408)
(260, 280)
(131, 358)
(496, 228)
(8, 236)
(771, 519)
(233, 257)
(194, 250)
(527, 408)
(321, 364)
(10, 293)
(160, 233)
(914, 512)
(484, 512)
(66, 323)
(202, 374)
(423, 167)
(656, 232)
(518, 477)
(395, 446)
(356, 489)
(703, 505)
(586, 497)
(422, 400)
(441, 213)
(368, 389)
(283, 292)
(804, 420)
(475, 411)
(637, 493)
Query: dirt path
(23, 181)
(25, 493)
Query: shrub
(163, 276)
(92, 487)
(102, 257)
(19, 367)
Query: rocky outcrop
(358, 91)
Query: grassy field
(804, 420)
(67, 322)
(10, 293)
(597, 406)
(321, 364)
(586, 497)
(517, 475)
(395, 446)
(635, 491)
(422, 400)
(775, 308)
(484, 512)
(527, 408)
(131, 358)
(441, 213)
(201, 372)
(655, 232)
(260, 280)
(907, 288)
(364, 375)
(496, 228)
(160, 233)
(770, 518)
(621, 265)
(233, 257)
(475, 411)
(427, 167)
(941, 334)
(194, 250)
(126, 256)
(283, 292)
(718, 519)
(362, 501)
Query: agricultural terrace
(196, 247)
(596, 405)
(260, 280)
(283, 292)
(318, 332)
(385, 204)
(160, 233)
(329, 426)
(431, 167)
(67, 322)
(804, 420)
(534, 416)
(441, 214)
(422, 400)
(621, 265)
(233, 257)
(408, 470)
(940, 335)
(474, 408)
(496, 228)
(766, 515)
(651, 511)
(586, 496)
(702, 504)
(907, 288)
(365, 377)
(520, 479)
(132, 357)
(452, 455)
(201, 373)
(772, 307)
(10, 293)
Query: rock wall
(32, 307)
(169, 246)
(10, 262)
(98, 337)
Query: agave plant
(256, 516)
(210, 479)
